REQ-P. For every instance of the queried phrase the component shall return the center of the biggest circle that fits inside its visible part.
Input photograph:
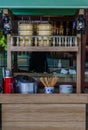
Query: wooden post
(8, 13)
(8, 52)
(78, 87)
(83, 61)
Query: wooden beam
(78, 89)
(44, 49)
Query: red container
(8, 85)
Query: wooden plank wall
(43, 116)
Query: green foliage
(3, 42)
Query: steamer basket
(43, 27)
(29, 43)
(25, 26)
(24, 33)
(46, 33)
(44, 43)
(27, 38)
(44, 38)
(26, 43)
(21, 39)
(44, 30)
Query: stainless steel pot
(24, 85)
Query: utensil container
(49, 90)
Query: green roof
(56, 4)
(44, 7)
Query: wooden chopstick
(48, 81)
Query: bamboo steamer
(24, 33)
(25, 38)
(44, 38)
(25, 26)
(25, 41)
(45, 43)
(43, 27)
(44, 30)
(28, 41)
(25, 29)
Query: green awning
(44, 7)
(44, 12)
(43, 4)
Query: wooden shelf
(44, 49)
(76, 48)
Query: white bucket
(65, 89)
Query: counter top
(44, 98)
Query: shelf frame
(76, 49)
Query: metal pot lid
(23, 78)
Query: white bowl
(65, 89)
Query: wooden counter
(44, 98)
(43, 112)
